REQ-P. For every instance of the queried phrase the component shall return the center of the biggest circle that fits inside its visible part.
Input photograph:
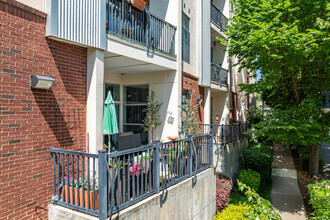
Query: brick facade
(190, 82)
(33, 120)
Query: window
(135, 102)
(185, 38)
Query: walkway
(325, 154)
(285, 194)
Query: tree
(190, 123)
(289, 41)
(152, 121)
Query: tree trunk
(314, 156)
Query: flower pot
(138, 4)
(65, 198)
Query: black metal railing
(126, 21)
(218, 74)
(218, 18)
(226, 134)
(104, 183)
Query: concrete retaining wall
(183, 202)
(230, 158)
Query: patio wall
(33, 120)
(230, 160)
(183, 202)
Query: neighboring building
(89, 49)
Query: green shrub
(250, 178)
(259, 158)
(303, 153)
(320, 199)
(234, 212)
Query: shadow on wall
(53, 115)
(73, 68)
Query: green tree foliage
(190, 123)
(289, 41)
(152, 121)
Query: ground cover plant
(223, 187)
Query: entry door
(135, 103)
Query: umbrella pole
(109, 144)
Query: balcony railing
(218, 18)
(104, 183)
(123, 20)
(226, 134)
(218, 74)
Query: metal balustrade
(218, 18)
(104, 183)
(226, 134)
(218, 74)
(142, 27)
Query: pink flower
(327, 186)
(136, 169)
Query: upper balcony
(219, 77)
(140, 27)
(116, 27)
(218, 20)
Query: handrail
(219, 74)
(218, 18)
(142, 27)
(125, 177)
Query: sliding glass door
(135, 103)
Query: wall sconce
(41, 82)
(326, 107)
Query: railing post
(232, 132)
(223, 138)
(103, 203)
(156, 167)
(211, 148)
(189, 155)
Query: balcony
(218, 18)
(140, 27)
(218, 74)
(104, 184)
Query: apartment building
(89, 48)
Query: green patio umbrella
(110, 125)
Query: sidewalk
(285, 194)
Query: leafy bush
(250, 178)
(234, 212)
(303, 153)
(224, 186)
(259, 158)
(320, 199)
(261, 207)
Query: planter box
(65, 198)
(138, 4)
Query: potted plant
(85, 187)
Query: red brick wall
(190, 82)
(33, 120)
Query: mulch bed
(303, 181)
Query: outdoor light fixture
(326, 107)
(41, 82)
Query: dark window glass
(185, 38)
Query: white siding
(79, 21)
